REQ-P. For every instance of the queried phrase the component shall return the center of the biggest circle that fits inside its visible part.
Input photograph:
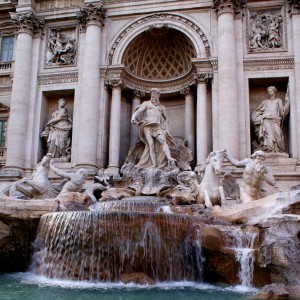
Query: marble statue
(75, 180)
(58, 132)
(268, 118)
(38, 187)
(254, 175)
(210, 189)
(61, 50)
(151, 119)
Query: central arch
(179, 22)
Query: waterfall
(103, 246)
(242, 243)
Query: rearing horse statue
(210, 191)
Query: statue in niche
(266, 31)
(60, 49)
(254, 175)
(268, 119)
(58, 132)
(151, 119)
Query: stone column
(115, 123)
(295, 13)
(134, 132)
(91, 17)
(26, 24)
(189, 116)
(202, 118)
(227, 78)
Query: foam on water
(42, 281)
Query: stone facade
(212, 61)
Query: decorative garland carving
(160, 17)
(27, 22)
(266, 30)
(92, 14)
(228, 6)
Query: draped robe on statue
(155, 129)
(267, 120)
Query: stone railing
(5, 65)
(2, 156)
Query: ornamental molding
(120, 76)
(48, 79)
(5, 88)
(92, 14)
(286, 63)
(266, 28)
(27, 22)
(228, 6)
(158, 17)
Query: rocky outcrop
(19, 221)
(273, 291)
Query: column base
(92, 170)
(113, 170)
(11, 173)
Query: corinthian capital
(27, 22)
(92, 14)
(202, 77)
(115, 82)
(228, 6)
(294, 6)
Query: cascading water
(242, 243)
(103, 246)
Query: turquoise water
(23, 286)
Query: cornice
(265, 64)
(57, 78)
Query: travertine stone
(189, 115)
(115, 119)
(136, 101)
(227, 79)
(202, 118)
(92, 17)
(17, 128)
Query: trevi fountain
(127, 204)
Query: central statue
(151, 118)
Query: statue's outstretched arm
(59, 172)
(268, 177)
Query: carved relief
(266, 30)
(61, 47)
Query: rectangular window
(7, 48)
(2, 133)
